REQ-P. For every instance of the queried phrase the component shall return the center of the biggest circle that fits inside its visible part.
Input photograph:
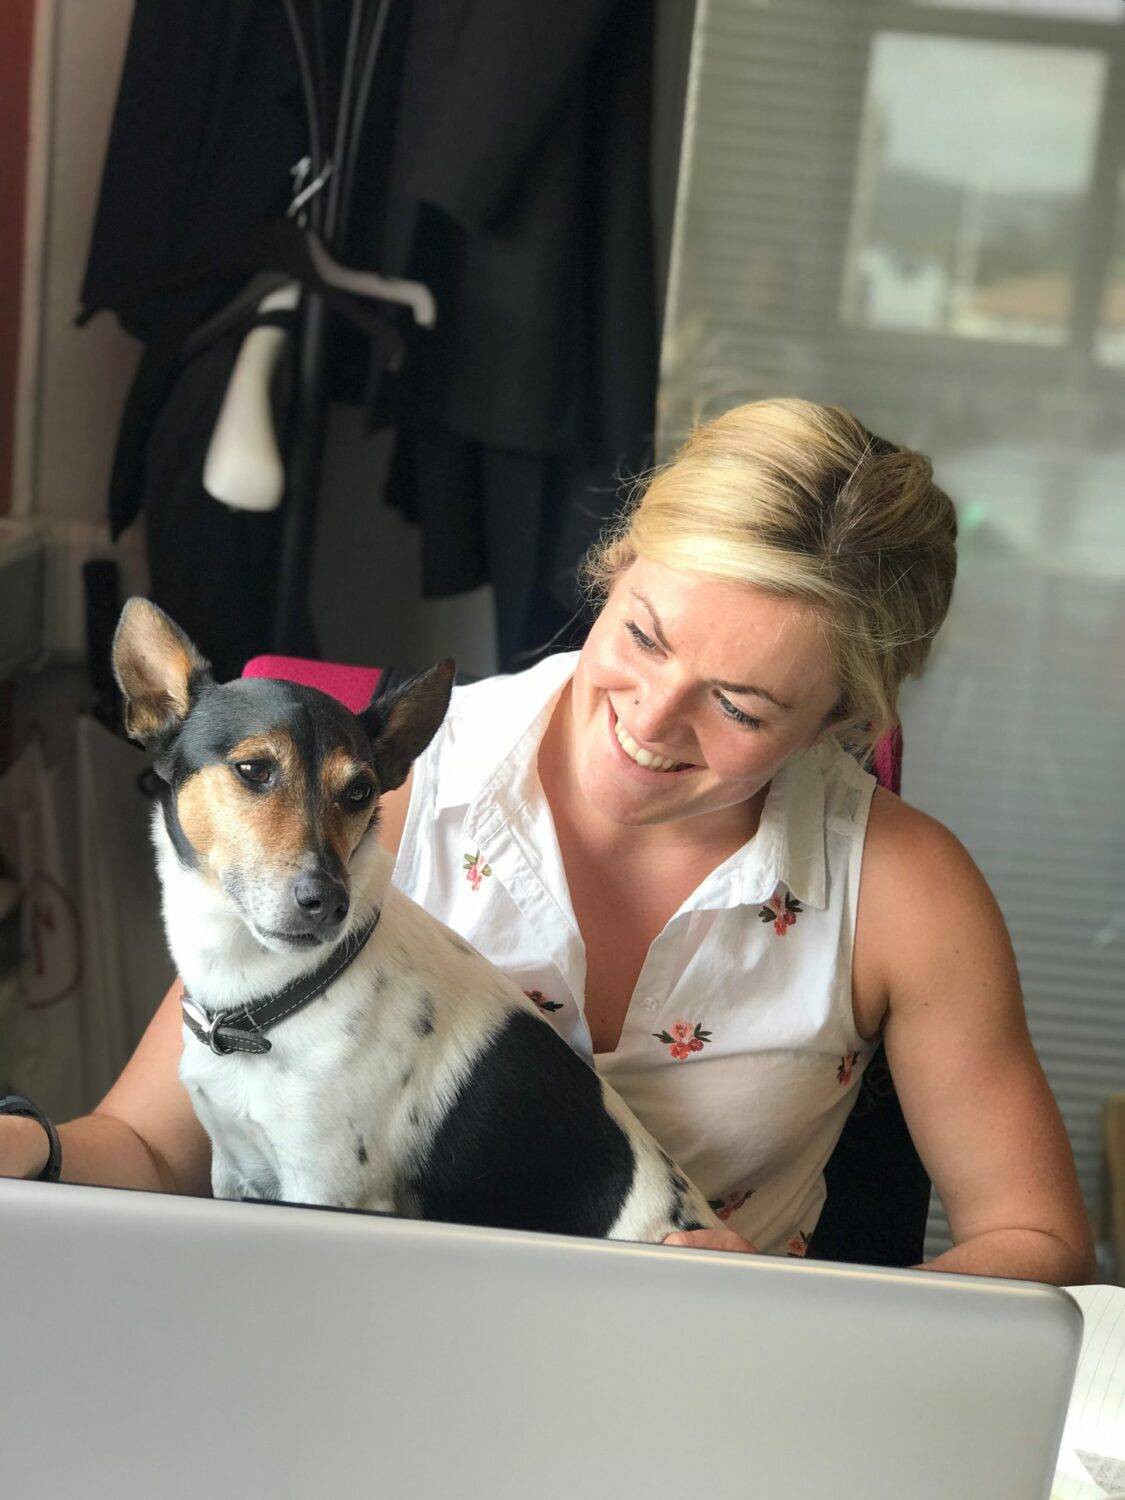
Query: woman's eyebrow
(656, 625)
(727, 687)
(743, 687)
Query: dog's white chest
(307, 1119)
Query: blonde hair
(804, 503)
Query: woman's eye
(646, 643)
(256, 772)
(747, 721)
(358, 794)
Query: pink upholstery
(353, 686)
(887, 763)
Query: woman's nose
(658, 713)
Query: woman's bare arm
(979, 1108)
(392, 814)
(143, 1134)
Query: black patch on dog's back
(527, 1143)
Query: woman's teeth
(643, 757)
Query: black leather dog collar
(240, 1029)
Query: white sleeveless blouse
(739, 1050)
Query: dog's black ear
(401, 724)
(159, 672)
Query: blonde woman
(669, 840)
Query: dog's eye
(358, 793)
(256, 772)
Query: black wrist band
(16, 1104)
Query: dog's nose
(323, 902)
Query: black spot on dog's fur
(360, 1151)
(680, 1183)
(413, 1116)
(407, 1076)
(549, 1158)
(679, 1217)
(379, 979)
(424, 1020)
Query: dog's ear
(158, 670)
(403, 723)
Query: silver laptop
(162, 1347)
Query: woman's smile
(656, 723)
(635, 758)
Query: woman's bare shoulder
(907, 846)
(920, 891)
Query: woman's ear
(830, 724)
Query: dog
(341, 1046)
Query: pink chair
(352, 686)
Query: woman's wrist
(21, 1106)
(24, 1147)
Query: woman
(665, 839)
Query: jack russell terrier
(342, 1047)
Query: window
(975, 160)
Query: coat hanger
(243, 467)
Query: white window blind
(917, 211)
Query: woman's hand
(711, 1239)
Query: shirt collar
(788, 848)
(489, 768)
(494, 748)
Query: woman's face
(719, 682)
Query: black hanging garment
(521, 197)
(207, 126)
(505, 164)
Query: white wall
(73, 382)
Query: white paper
(1091, 1463)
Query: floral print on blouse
(538, 998)
(476, 869)
(782, 911)
(724, 1207)
(684, 1039)
(846, 1064)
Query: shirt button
(650, 1003)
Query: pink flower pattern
(782, 911)
(684, 1039)
(537, 998)
(476, 869)
(724, 1207)
(798, 1244)
(846, 1064)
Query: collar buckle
(205, 1028)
